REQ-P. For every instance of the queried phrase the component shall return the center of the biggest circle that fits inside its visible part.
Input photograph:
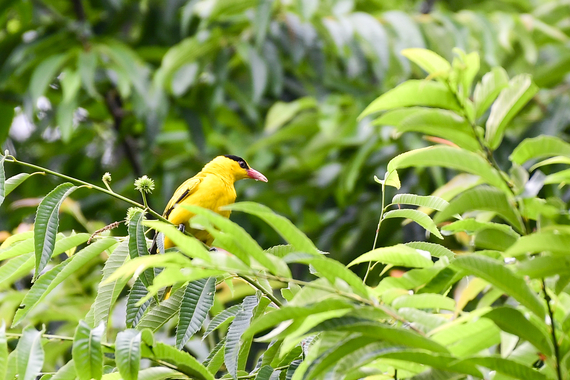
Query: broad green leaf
(451, 158)
(55, 276)
(561, 177)
(549, 161)
(539, 147)
(282, 225)
(62, 244)
(544, 266)
(380, 332)
(432, 202)
(390, 179)
(13, 269)
(15, 181)
(295, 312)
(226, 315)
(495, 272)
(47, 223)
(30, 354)
(513, 321)
(182, 361)
(495, 239)
(280, 112)
(417, 216)
(87, 351)
(399, 255)
(136, 294)
(510, 101)
(197, 301)
(162, 313)
(424, 301)
(511, 368)
(128, 353)
(67, 372)
(215, 359)
(188, 245)
(434, 122)
(43, 74)
(170, 259)
(483, 198)
(107, 294)
(87, 65)
(435, 65)
(414, 93)
(472, 226)
(552, 241)
(241, 237)
(137, 244)
(330, 269)
(235, 333)
(434, 249)
(466, 66)
(489, 88)
(264, 373)
(3, 350)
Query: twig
(54, 337)
(10, 158)
(377, 229)
(553, 331)
(262, 289)
(106, 228)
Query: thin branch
(377, 229)
(553, 331)
(10, 158)
(53, 337)
(262, 289)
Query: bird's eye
(243, 165)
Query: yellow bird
(212, 188)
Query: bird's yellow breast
(212, 193)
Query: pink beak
(254, 174)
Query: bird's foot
(182, 227)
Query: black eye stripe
(241, 162)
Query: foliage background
(161, 87)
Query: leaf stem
(267, 293)
(377, 228)
(54, 337)
(553, 331)
(10, 158)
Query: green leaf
(240, 236)
(46, 224)
(539, 147)
(188, 245)
(417, 216)
(67, 372)
(237, 328)
(264, 373)
(471, 226)
(495, 272)
(434, 249)
(424, 301)
(15, 181)
(55, 276)
(215, 359)
(434, 64)
(163, 312)
(511, 368)
(510, 101)
(137, 244)
(399, 255)
(135, 311)
(3, 351)
(128, 353)
(26, 246)
(196, 303)
(226, 315)
(282, 225)
(380, 332)
(107, 294)
(452, 158)
(183, 361)
(14, 269)
(6, 118)
(483, 198)
(489, 88)
(414, 93)
(43, 74)
(544, 266)
(513, 321)
(432, 202)
(552, 241)
(87, 65)
(87, 351)
(550, 161)
(30, 354)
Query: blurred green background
(161, 87)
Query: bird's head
(238, 167)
